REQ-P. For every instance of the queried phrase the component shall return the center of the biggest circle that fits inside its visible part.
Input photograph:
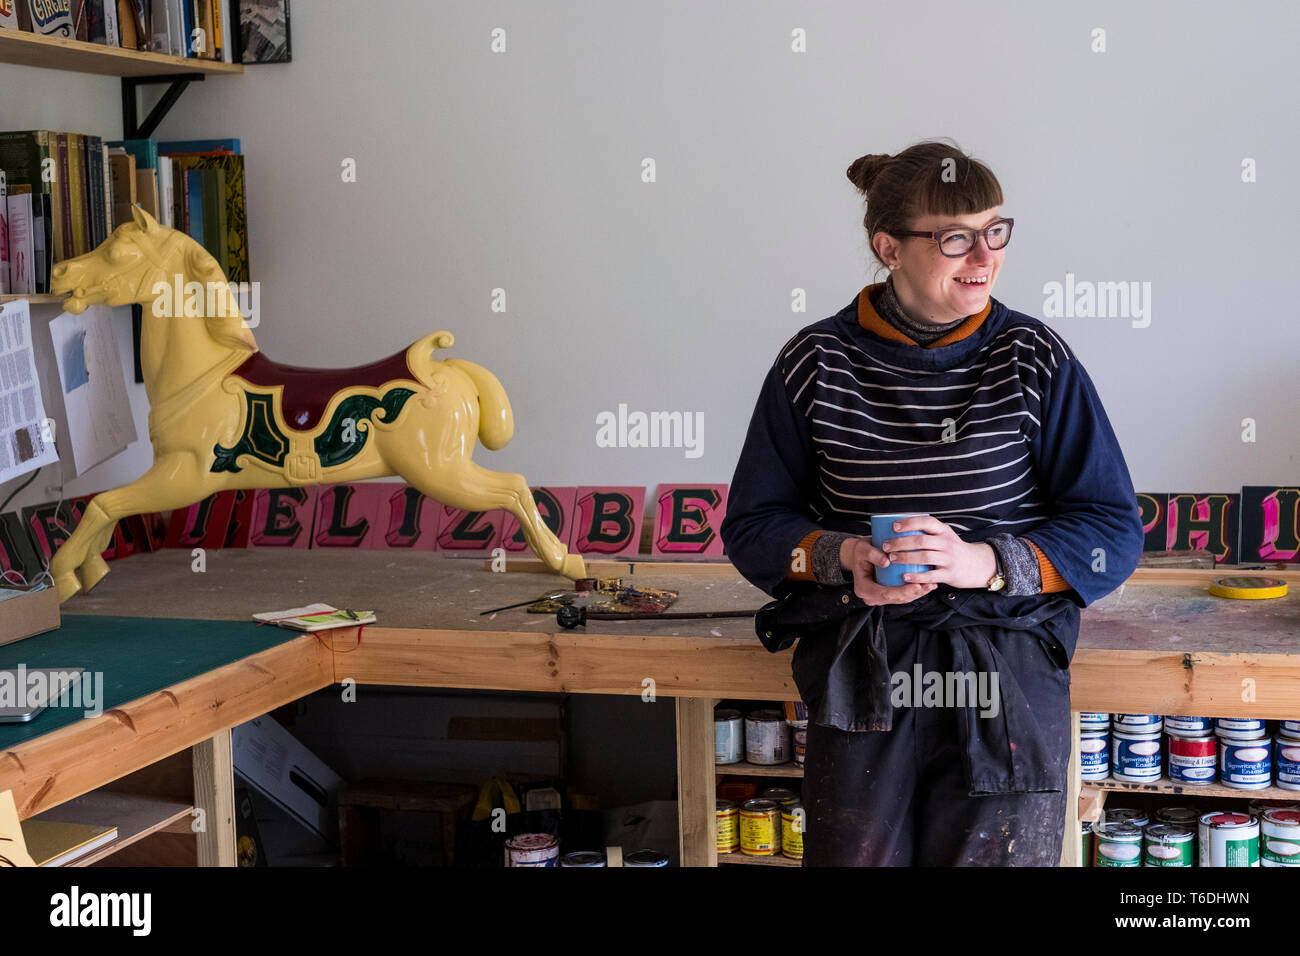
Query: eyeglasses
(955, 243)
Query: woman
(926, 395)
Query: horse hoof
(574, 567)
(92, 572)
(67, 585)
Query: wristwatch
(997, 582)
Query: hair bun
(862, 172)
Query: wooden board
(50, 769)
(57, 53)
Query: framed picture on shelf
(264, 30)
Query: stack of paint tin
(1136, 753)
(1192, 751)
(770, 824)
(761, 737)
(1181, 836)
(1287, 755)
(1094, 749)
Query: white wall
(522, 171)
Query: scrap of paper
(13, 848)
(26, 434)
(94, 390)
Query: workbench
(1159, 644)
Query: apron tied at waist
(841, 668)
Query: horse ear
(146, 222)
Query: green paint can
(1169, 844)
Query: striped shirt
(994, 428)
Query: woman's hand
(859, 558)
(957, 563)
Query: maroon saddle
(308, 390)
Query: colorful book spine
(77, 191)
(63, 228)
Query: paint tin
(1094, 754)
(767, 737)
(760, 828)
(1290, 727)
(1188, 725)
(792, 824)
(800, 737)
(1094, 721)
(1286, 758)
(1139, 722)
(1245, 764)
(1126, 815)
(780, 795)
(1279, 838)
(1168, 844)
(1117, 844)
(1229, 839)
(1193, 758)
(1239, 725)
(727, 815)
(1085, 842)
(583, 858)
(645, 858)
(1242, 735)
(1179, 816)
(728, 737)
(1135, 755)
(532, 849)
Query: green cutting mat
(136, 655)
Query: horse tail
(496, 424)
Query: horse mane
(201, 266)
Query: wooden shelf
(75, 56)
(738, 857)
(1165, 785)
(135, 816)
(746, 769)
(44, 299)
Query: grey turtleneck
(1016, 555)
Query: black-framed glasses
(954, 243)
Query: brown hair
(900, 189)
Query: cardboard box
(297, 781)
(27, 613)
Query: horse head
(137, 263)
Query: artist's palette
(1247, 587)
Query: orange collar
(870, 320)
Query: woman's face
(928, 282)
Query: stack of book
(61, 194)
(203, 29)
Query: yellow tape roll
(1245, 587)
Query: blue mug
(882, 529)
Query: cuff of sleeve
(1019, 565)
(801, 566)
(1052, 580)
(816, 558)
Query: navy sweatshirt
(1001, 431)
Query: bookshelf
(76, 56)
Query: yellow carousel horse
(223, 416)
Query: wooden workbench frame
(696, 671)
